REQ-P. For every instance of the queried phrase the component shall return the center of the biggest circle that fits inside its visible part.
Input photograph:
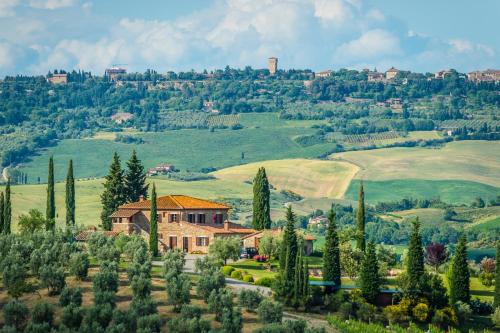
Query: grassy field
(186, 149)
(451, 191)
(309, 178)
(425, 215)
(462, 160)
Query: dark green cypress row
(331, 257)
(50, 213)
(288, 256)
(460, 275)
(7, 210)
(496, 301)
(305, 292)
(369, 276)
(135, 179)
(415, 263)
(298, 286)
(360, 220)
(261, 217)
(2, 203)
(114, 193)
(153, 232)
(70, 196)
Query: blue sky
(39, 35)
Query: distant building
(375, 76)
(58, 78)
(326, 73)
(112, 73)
(162, 168)
(317, 220)
(272, 65)
(489, 75)
(391, 73)
(441, 74)
(121, 117)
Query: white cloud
(51, 4)
(6, 56)
(371, 44)
(467, 47)
(337, 11)
(7, 7)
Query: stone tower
(272, 64)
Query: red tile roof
(234, 228)
(176, 202)
(126, 213)
(277, 232)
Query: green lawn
(451, 191)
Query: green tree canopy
(114, 192)
(135, 179)
(261, 218)
(331, 256)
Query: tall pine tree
(288, 256)
(153, 231)
(496, 301)
(114, 192)
(459, 278)
(331, 257)
(50, 213)
(70, 196)
(135, 179)
(7, 209)
(298, 286)
(360, 220)
(415, 263)
(369, 276)
(2, 203)
(261, 217)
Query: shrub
(227, 270)
(79, 265)
(16, 314)
(38, 328)
(248, 278)
(141, 287)
(237, 274)
(250, 299)
(445, 317)
(487, 279)
(333, 301)
(260, 258)
(178, 288)
(463, 311)
(218, 301)
(143, 307)
(72, 316)
(232, 321)
(481, 308)
(265, 281)
(366, 312)
(104, 297)
(270, 311)
(149, 324)
(106, 279)
(397, 313)
(52, 278)
(421, 312)
(495, 318)
(346, 310)
(42, 313)
(124, 321)
(100, 314)
(70, 296)
(189, 321)
(211, 278)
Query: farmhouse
(252, 240)
(391, 73)
(184, 222)
(58, 78)
(162, 168)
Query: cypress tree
(360, 220)
(298, 286)
(261, 217)
(369, 276)
(114, 194)
(2, 200)
(331, 257)
(70, 196)
(288, 257)
(135, 179)
(7, 209)
(153, 231)
(50, 213)
(415, 263)
(496, 301)
(460, 275)
(306, 280)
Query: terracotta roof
(276, 232)
(86, 234)
(126, 213)
(176, 202)
(234, 228)
(392, 69)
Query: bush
(366, 312)
(270, 311)
(211, 278)
(52, 278)
(421, 312)
(265, 281)
(227, 270)
(189, 321)
(218, 301)
(237, 274)
(141, 287)
(463, 311)
(445, 317)
(149, 324)
(496, 317)
(70, 296)
(248, 278)
(346, 310)
(123, 321)
(487, 279)
(79, 265)
(260, 258)
(15, 314)
(106, 279)
(481, 308)
(250, 299)
(72, 316)
(333, 301)
(42, 313)
(397, 314)
(104, 297)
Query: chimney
(141, 198)
(226, 224)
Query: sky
(425, 36)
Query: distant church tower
(272, 64)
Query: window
(158, 218)
(172, 242)
(191, 218)
(173, 218)
(201, 218)
(219, 218)
(201, 241)
(120, 220)
(160, 236)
